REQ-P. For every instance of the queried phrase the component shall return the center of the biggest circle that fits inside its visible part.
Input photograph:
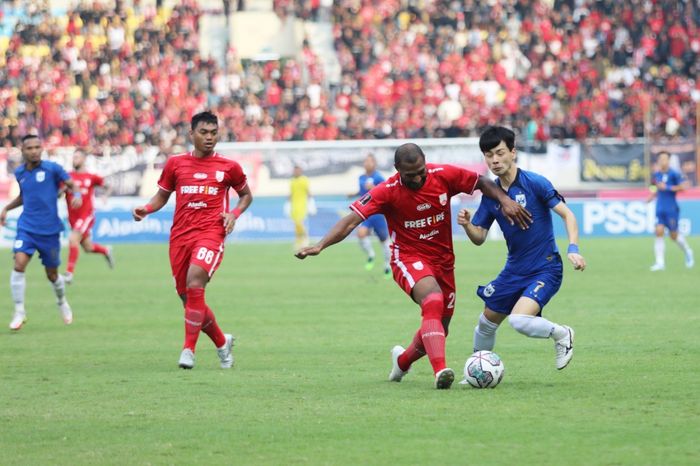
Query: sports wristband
(77, 194)
(236, 212)
(148, 208)
(573, 249)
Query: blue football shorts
(505, 290)
(49, 247)
(377, 223)
(669, 219)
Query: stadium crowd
(551, 69)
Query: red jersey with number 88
(201, 187)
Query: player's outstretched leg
(18, 284)
(687, 252)
(433, 336)
(59, 289)
(539, 327)
(195, 309)
(659, 254)
(485, 334)
(222, 341)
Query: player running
(666, 183)
(202, 180)
(533, 270)
(82, 218)
(376, 223)
(39, 227)
(416, 204)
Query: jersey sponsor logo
(365, 199)
(40, 176)
(423, 207)
(219, 176)
(199, 189)
(489, 290)
(197, 205)
(521, 199)
(418, 265)
(443, 199)
(425, 222)
(200, 176)
(429, 235)
(391, 185)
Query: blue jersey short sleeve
(367, 182)
(483, 217)
(39, 190)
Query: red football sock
(195, 309)
(73, 253)
(432, 332)
(212, 329)
(413, 353)
(98, 248)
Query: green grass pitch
(312, 356)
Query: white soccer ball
(483, 369)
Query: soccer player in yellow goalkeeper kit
(299, 204)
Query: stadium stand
(93, 76)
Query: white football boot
(564, 348)
(18, 319)
(109, 257)
(657, 267)
(68, 278)
(66, 312)
(689, 259)
(396, 373)
(186, 359)
(225, 354)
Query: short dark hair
(663, 152)
(408, 153)
(204, 117)
(27, 137)
(493, 135)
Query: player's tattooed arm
(156, 203)
(511, 210)
(13, 204)
(571, 225)
(336, 234)
(476, 234)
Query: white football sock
(386, 246)
(18, 283)
(59, 287)
(682, 243)
(659, 250)
(484, 334)
(366, 245)
(536, 327)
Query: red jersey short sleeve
(371, 203)
(166, 181)
(237, 179)
(460, 180)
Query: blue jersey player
(39, 227)
(376, 223)
(666, 182)
(533, 271)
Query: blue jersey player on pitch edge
(666, 183)
(376, 223)
(533, 271)
(39, 226)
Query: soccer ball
(483, 369)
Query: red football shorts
(82, 225)
(202, 252)
(410, 270)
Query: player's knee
(432, 305)
(52, 275)
(521, 323)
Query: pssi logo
(617, 218)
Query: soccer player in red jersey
(202, 180)
(416, 204)
(82, 218)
